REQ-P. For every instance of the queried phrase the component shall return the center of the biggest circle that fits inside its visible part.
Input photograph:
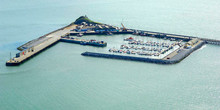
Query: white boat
(79, 35)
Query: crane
(123, 29)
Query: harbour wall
(176, 36)
(29, 55)
(112, 56)
(100, 33)
(28, 43)
(183, 53)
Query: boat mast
(10, 56)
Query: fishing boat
(129, 39)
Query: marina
(165, 48)
(67, 75)
(173, 57)
(148, 48)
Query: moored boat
(80, 35)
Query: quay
(36, 46)
(162, 35)
(57, 33)
(100, 33)
(88, 27)
(84, 42)
(174, 36)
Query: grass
(85, 19)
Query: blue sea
(61, 79)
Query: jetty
(85, 26)
(91, 42)
(35, 46)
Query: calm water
(61, 79)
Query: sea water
(61, 79)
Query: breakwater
(132, 58)
(31, 52)
(175, 36)
(39, 40)
(99, 33)
(34, 47)
(162, 35)
(182, 53)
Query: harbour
(59, 77)
(35, 46)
